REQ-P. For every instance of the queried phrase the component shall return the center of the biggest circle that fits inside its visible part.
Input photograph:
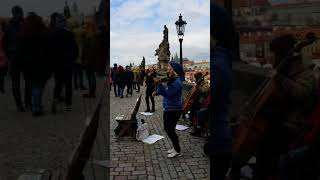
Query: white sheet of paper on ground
(119, 117)
(146, 113)
(181, 127)
(152, 139)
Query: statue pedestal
(162, 73)
(163, 65)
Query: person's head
(17, 12)
(120, 69)
(115, 65)
(223, 32)
(174, 69)
(58, 21)
(281, 46)
(33, 24)
(198, 75)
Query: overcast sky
(45, 7)
(137, 29)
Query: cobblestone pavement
(137, 160)
(28, 143)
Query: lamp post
(180, 25)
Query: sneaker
(170, 151)
(148, 110)
(174, 154)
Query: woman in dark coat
(35, 65)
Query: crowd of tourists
(62, 50)
(132, 80)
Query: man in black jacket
(129, 77)
(11, 42)
(64, 52)
(114, 78)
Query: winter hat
(177, 68)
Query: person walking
(172, 104)
(121, 81)
(36, 65)
(78, 32)
(114, 78)
(64, 52)
(138, 80)
(3, 61)
(129, 77)
(11, 42)
(89, 57)
(134, 85)
(150, 84)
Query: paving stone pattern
(137, 160)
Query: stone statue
(165, 34)
(163, 52)
(143, 63)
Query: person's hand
(154, 94)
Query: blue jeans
(120, 89)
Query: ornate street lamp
(180, 25)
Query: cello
(191, 96)
(252, 126)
